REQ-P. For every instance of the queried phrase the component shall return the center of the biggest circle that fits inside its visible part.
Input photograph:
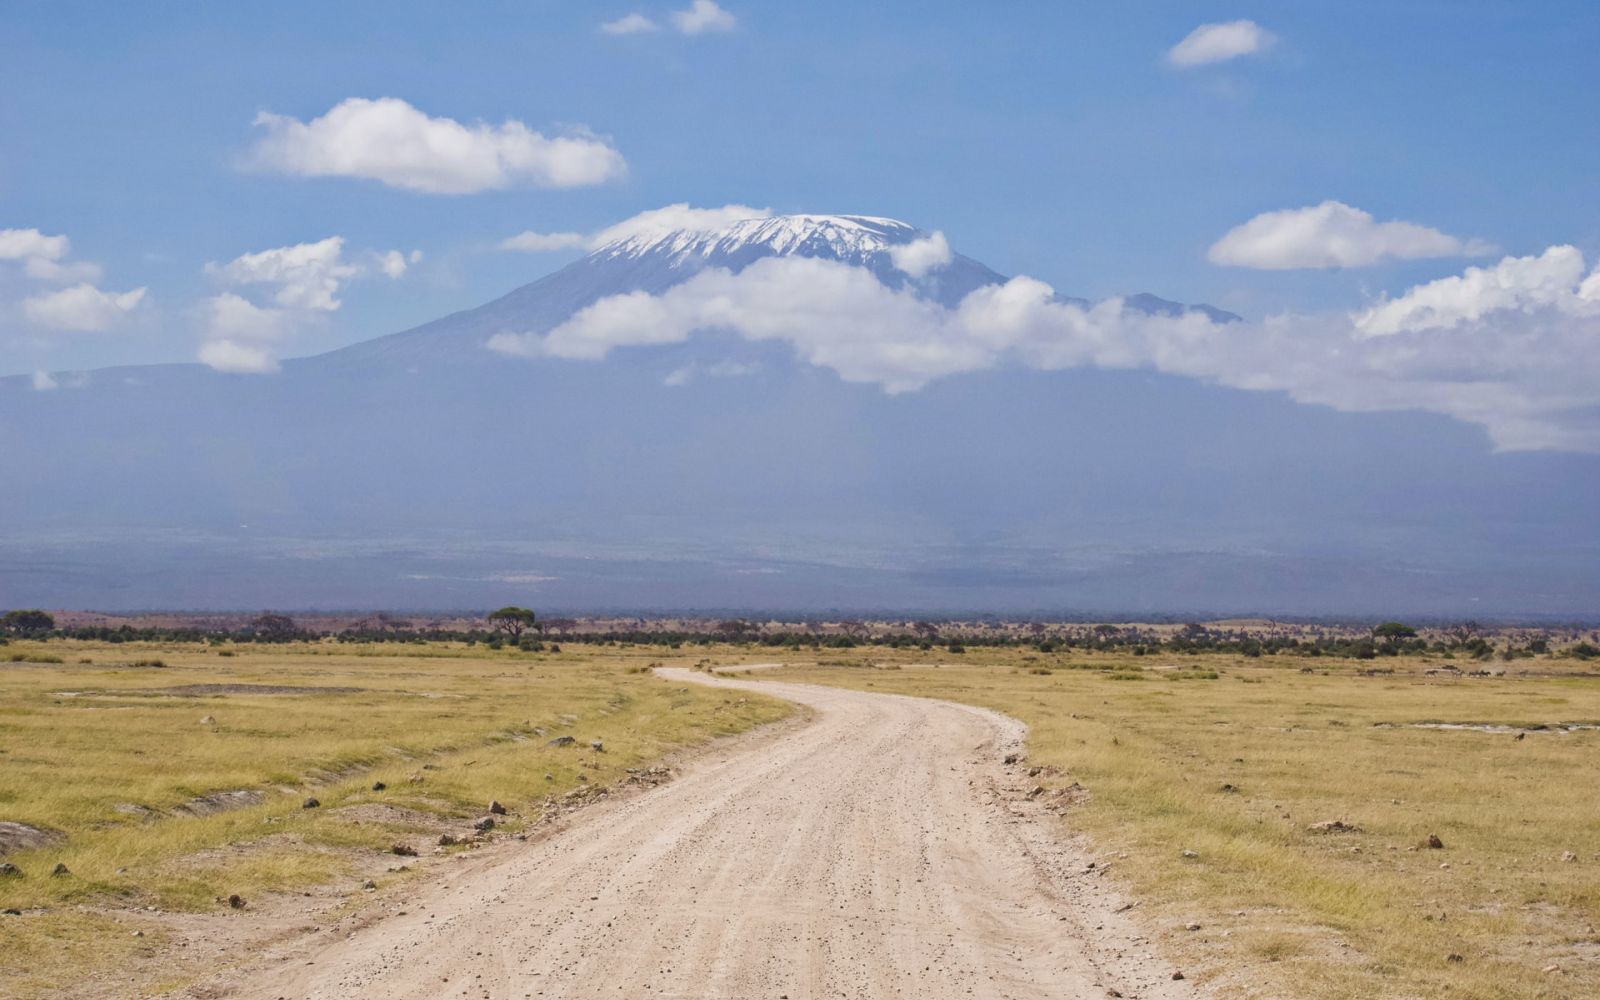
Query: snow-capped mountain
(653, 260)
(423, 470)
(854, 238)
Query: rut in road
(876, 851)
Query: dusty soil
(883, 850)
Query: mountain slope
(422, 470)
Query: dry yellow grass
(109, 753)
(1202, 792)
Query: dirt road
(881, 850)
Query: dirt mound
(22, 837)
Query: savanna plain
(1283, 826)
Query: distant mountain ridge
(423, 470)
(653, 261)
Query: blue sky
(1052, 139)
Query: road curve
(880, 851)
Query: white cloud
(395, 264)
(721, 369)
(1213, 43)
(1553, 280)
(630, 24)
(531, 242)
(702, 16)
(307, 275)
(42, 382)
(62, 272)
(25, 244)
(81, 307)
(390, 141)
(302, 283)
(233, 317)
(922, 255)
(230, 356)
(1332, 234)
(1524, 365)
(43, 257)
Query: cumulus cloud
(231, 356)
(1332, 234)
(1214, 43)
(43, 382)
(1521, 367)
(702, 16)
(28, 244)
(395, 264)
(233, 317)
(529, 241)
(305, 276)
(43, 258)
(922, 255)
(298, 284)
(62, 272)
(390, 141)
(646, 225)
(630, 24)
(1553, 281)
(82, 308)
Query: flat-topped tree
(1394, 633)
(28, 622)
(512, 620)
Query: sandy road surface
(881, 850)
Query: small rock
(369, 884)
(561, 741)
(1228, 787)
(404, 850)
(236, 901)
(598, 746)
(206, 720)
(138, 933)
(1191, 927)
(496, 808)
(1178, 975)
(310, 804)
(549, 777)
(1191, 854)
(484, 824)
(1453, 957)
(60, 870)
(1333, 826)
(1552, 968)
(378, 786)
(448, 840)
(1434, 842)
(1035, 791)
(1568, 856)
(12, 911)
(9, 870)
(1012, 758)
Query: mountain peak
(838, 236)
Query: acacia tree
(512, 620)
(275, 628)
(26, 623)
(1394, 633)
